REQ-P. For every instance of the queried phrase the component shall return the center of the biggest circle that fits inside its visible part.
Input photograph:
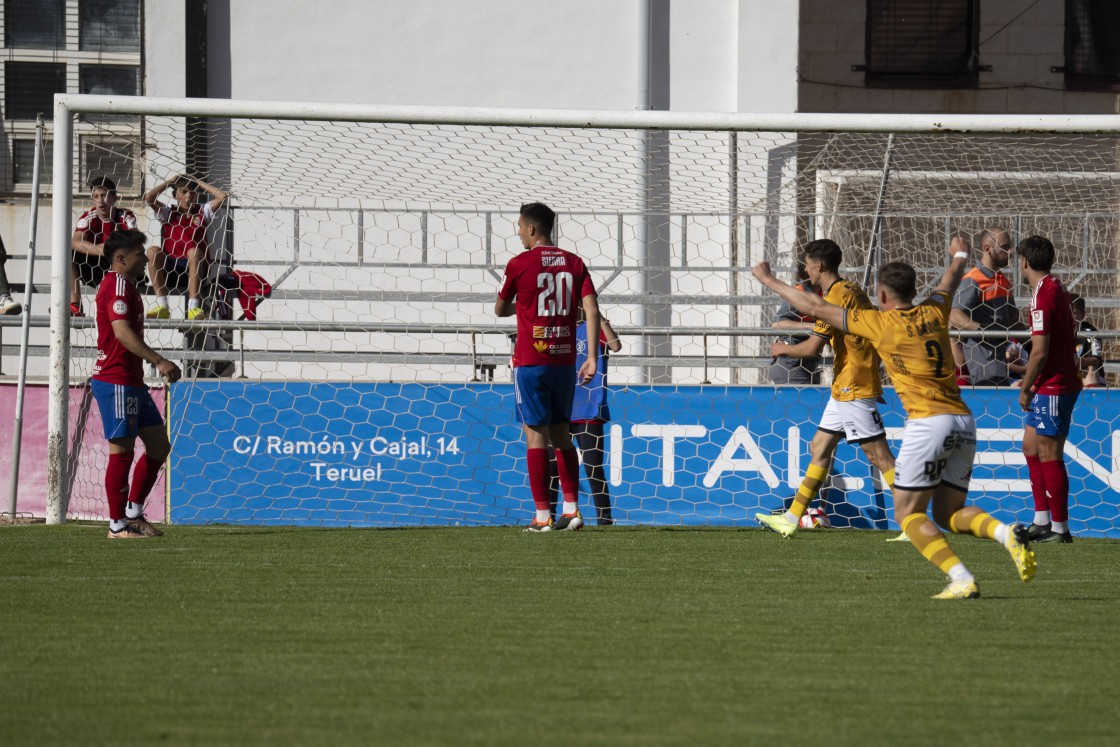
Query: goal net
(371, 385)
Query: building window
(112, 157)
(109, 25)
(1093, 45)
(29, 88)
(23, 162)
(922, 44)
(35, 24)
(109, 80)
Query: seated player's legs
(85, 269)
(157, 272)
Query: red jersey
(117, 298)
(1051, 314)
(183, 231)
(96, 229)
(549, 285)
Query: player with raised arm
(1049, 390)
(939, 440)
(544, 286)
(183, 237)
(852, 411)
(126, 406)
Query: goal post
(383, 232)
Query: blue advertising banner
(382, 454)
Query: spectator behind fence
(7, 305)
(783, 368)
(985, 302)
(1090, 351)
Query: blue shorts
(543, 394)
(125, 410)
(1051, 414)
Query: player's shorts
(1051, 414)
(936, 450)
(125, 410)
(543, 394)
(90, 268)
(858, 420)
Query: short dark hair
(900, 279)
(185, 181)
(102, 181)
(1038, 251)
(825, 251)
(122, 241)
(1078, 303)
(540, 215)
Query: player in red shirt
(126, 406)
(1049, 390)
(183, 235)
(87, 257)
(543, 287)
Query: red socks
(539, 477)
(143, 478)
(1038, 484)
(116, 483)
(567, 463)
(1057, 485)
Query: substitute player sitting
(852, 411)
(544, 286)
(126, 407)
(183, 234)
(939, 441)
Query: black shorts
(90, 268)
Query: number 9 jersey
(914, 345)
(549, 285)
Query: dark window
(114, 158)
(922, 43)
(107, 80)
(35, 24)
(109, 25)
(23, 162)
(30, 88)
(1093, 45)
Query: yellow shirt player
(939, 441)
(852, 411)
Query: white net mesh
(385, 244)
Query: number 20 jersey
(549, 285)
(914, 345)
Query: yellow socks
(810, 486)
(931, 544)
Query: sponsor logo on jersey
(1037, 323)
(553, 261)
(540, 346)
(560, 350)
(581, 346)
(550, 333)
(120, 307)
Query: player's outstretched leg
(1016, 538)
(931, 543)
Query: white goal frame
(65, 147)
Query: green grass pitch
(489, 636)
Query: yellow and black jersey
(855, 363)
(914, 344)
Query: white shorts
(857, 419)
(938, 450)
